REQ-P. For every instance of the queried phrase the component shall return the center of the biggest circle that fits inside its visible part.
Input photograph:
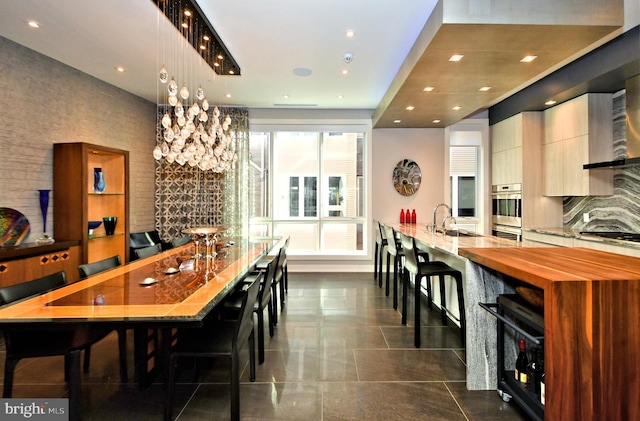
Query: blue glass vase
(98, 180)
(44, 206)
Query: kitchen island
(591, 325)
(480, 329)
(592, 322)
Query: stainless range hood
(632, 157)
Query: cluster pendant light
(191, 132)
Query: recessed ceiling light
(485, 88)
(285, 96)
(410, 108)
(528, 59)
(185, 25)
(550, 102)
(345, 71)
(120, 69)
(397, 121)
(187, 12)
(436, 121)
(231, 72)
(456, 108)
(228, 95)
(206, 38)
(456, 57)
(33, 24)
(220, 57)
(340, 96)
(428, 89)
(202, 47)
(350, 33)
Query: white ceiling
(268, 39)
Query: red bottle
(407, 217)
(402, 216)
(413, 216)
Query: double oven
(506, 216)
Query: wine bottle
(533, 382)
(413, 216)
(407, 217)
(402, 216)
(541, 370)
(521, 363)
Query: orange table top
(118, 297)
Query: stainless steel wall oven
(507, 210)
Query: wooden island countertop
(591, 326)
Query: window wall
(309, 185)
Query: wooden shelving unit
(76, 203)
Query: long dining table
(152, 296)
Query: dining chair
(148, 251)
(264, 300)
(87, 270)
(180, 241)
(20, 344)
(218, 338)
(280, 279)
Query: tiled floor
(339, 353)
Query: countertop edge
(24, 251)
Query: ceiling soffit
(492, 53)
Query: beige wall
(424, 146)
(46, 102)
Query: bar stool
(381, 243)
(428, 269)
(393, 249)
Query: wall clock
(407, 177)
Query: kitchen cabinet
(578, 132)
(516, 152)
(77, 202)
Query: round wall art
(407, 177)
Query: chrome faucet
(444, 221)
(435, 210)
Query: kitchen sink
(461, 233)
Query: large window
(314, 192)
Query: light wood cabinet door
(578, 132)
(553, 161)
(575, 153)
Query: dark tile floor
(339, 353)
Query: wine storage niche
(518, 320)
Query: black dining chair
(20, 344)
(87, 270)
(180, 241)
(218, 338)
(148, 251)
(264, 300)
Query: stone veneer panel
(47, 102)
(621, 211)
